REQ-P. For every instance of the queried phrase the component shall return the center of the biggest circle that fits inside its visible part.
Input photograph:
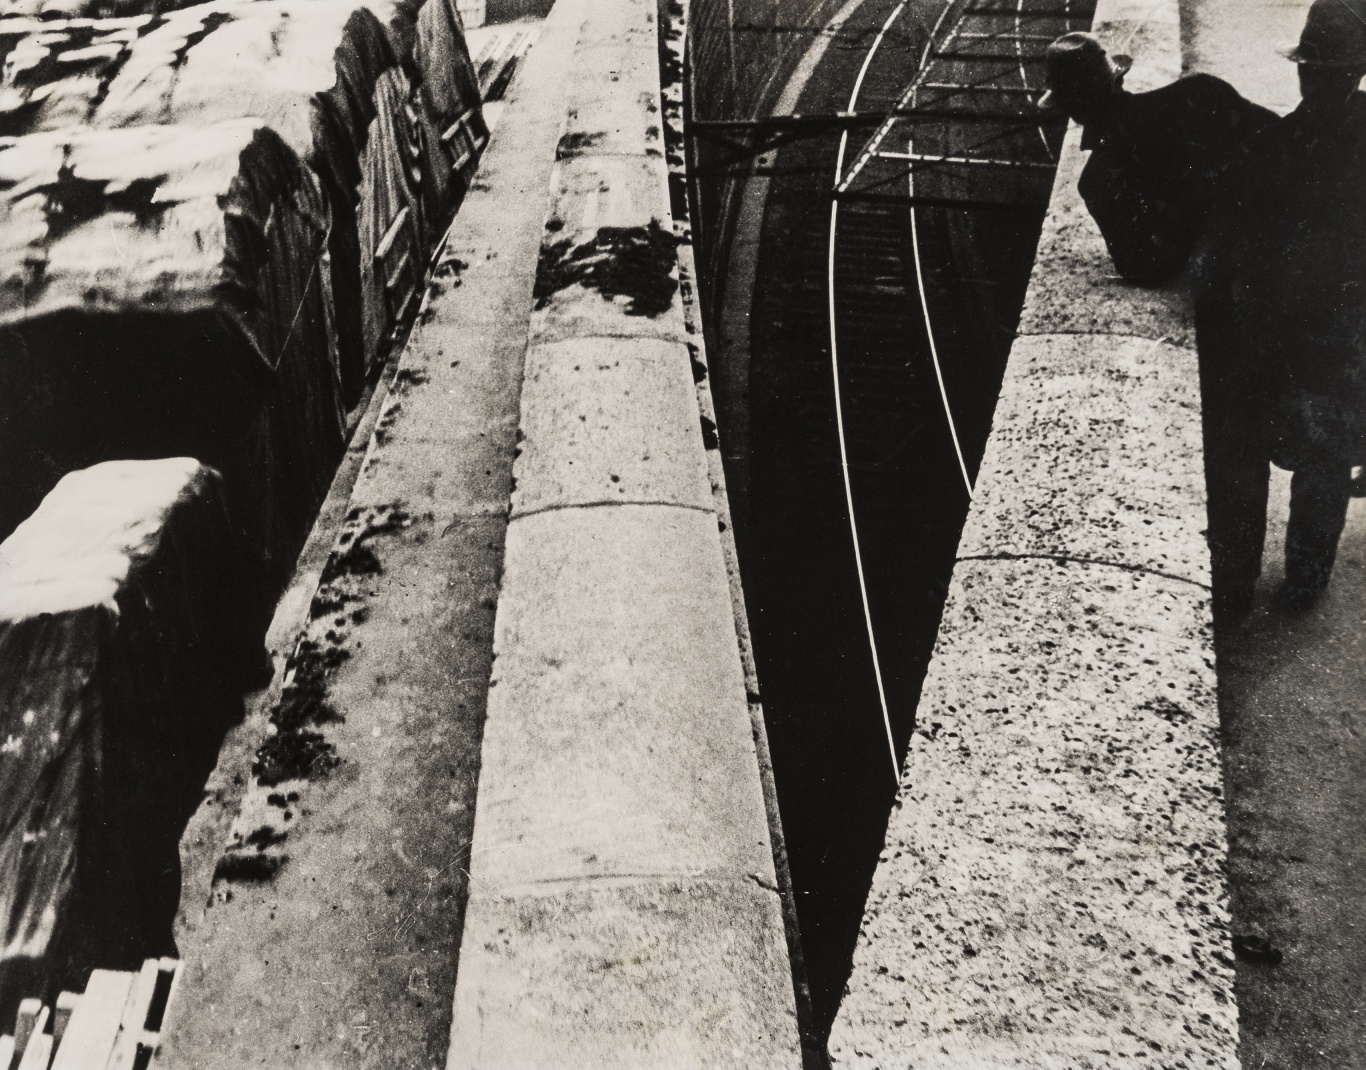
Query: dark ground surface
(1292, 694)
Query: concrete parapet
(1052, 888)
(624, 909)
(1050, 893)
(330, 932)
(609, 421)
(624, 732)
(1075, 289)
(1070, 470)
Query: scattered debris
(632, 262)
(296, 750)
(247, 868)
(407, 378)
(576, 143)
(1256, 949)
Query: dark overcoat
(1158, 166)
(1289, 263)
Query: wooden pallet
(115, 1024)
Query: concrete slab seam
(1065, 559)
(539, 510)
(1126, 335)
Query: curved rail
(839, 402)
(929, 335)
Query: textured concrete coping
(327, 870)
(623, 909)
(1051, 892)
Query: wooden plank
(134, 1017)
(391, 234)
(66, 1003)
(26, 1022)
(90, 1034)
(38, 1050)
(38, 1054)
(168, 979)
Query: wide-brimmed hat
(1077, 65)
(1334, 35)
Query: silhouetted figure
(1281, 324)
(1159, 160)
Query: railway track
(905, 198)
(974, 142)
(963, 150)
(966, 128)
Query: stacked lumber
(122, 665)
(496, 54)
(114, 1024)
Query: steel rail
(861, 161)
(929, 334)
(839, 398)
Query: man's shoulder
(1355, 123)
(1203, 95)
(1193, 89)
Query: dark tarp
(121, 667)
(162, 293)
(379, 98)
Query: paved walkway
(1292, 691)
(1293, 698)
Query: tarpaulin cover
(161, 293)
(363, 92)
(121, 667)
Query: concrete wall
(322, 913)
(1052, 888)
(624, 909)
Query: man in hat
(1281, 323)
(1158, 160)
